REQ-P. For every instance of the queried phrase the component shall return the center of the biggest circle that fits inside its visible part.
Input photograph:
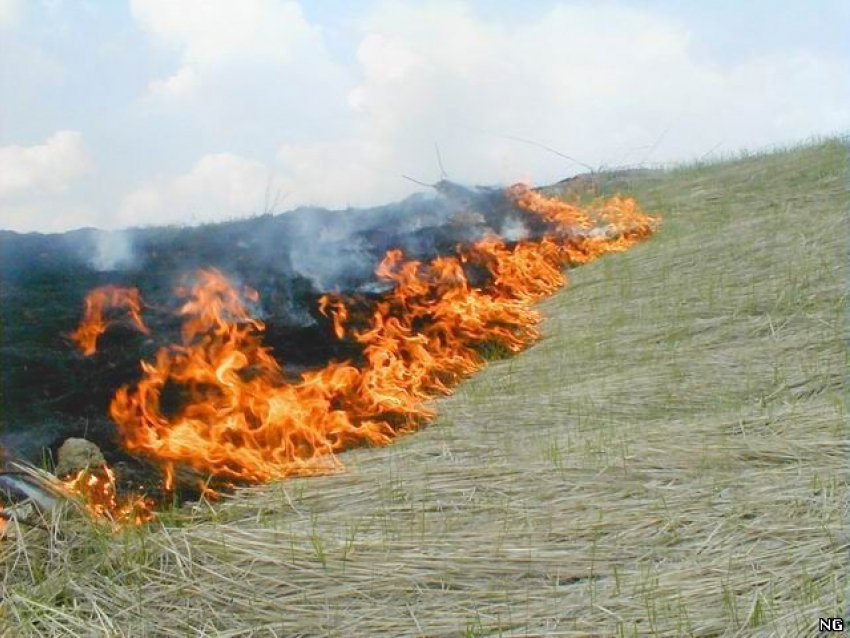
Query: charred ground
(51, 391)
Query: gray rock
(77, 454)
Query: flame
(95, 323)
(96, 488)
(337, 310)
(242, 421)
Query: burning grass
(98, 491)
(240, 420)
(669, 460)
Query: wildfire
(95, 323)
(96, 487)
(242, 421)
(35, 495)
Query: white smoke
(112, 250)
(513, 229)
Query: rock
(77, 454)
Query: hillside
(670, 459)
(50, 391)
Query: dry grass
(671, 460)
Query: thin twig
(443, 174)
(550, 149)
(416, 181)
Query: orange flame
(96, 487)
(95, 323)
(337, 310)
(241, 420)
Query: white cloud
(50, 166)
(210, 30)
(256, 93)
(180, 84)
(10, 13)
(600, 83)
(249, 76)
(38, 185)
(219, 187)
(339, 173)
(214, 34)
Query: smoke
(513, 229)
(338, 250)
(328, 264)
(291, 259)
(113, 250)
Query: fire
(95, 323)
(241, 420)
(96, 488)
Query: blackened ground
(51, 391)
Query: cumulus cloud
(248, 75)
(256, 101)
(209, 31)
(603, 84)
(49, 166)
(219, 39)
(35, 194)
(36, 184)
(219, 187)
(607, 85)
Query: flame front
(241, 420)
(96, 487)
(95, 323)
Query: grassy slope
(671, 459)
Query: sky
(121, 113)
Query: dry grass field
(671, 459)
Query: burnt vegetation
(51, 391)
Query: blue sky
(150, 111)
